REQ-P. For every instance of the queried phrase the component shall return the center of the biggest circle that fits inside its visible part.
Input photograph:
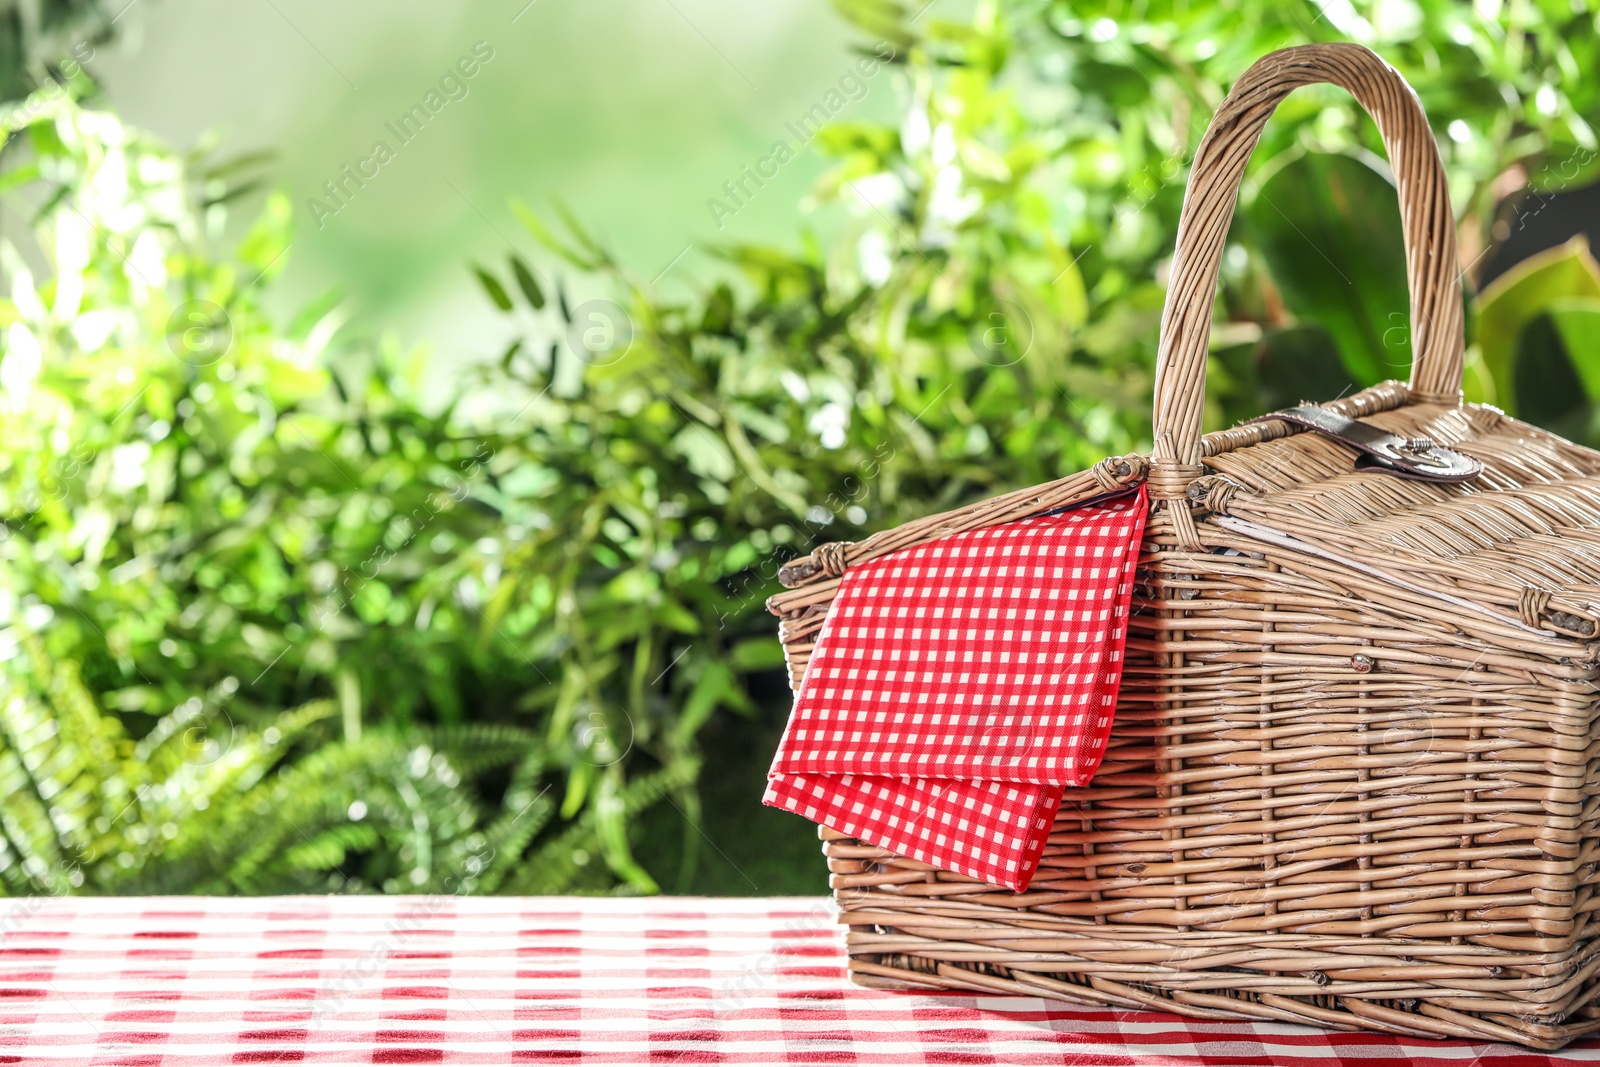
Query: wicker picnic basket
(1351, 780)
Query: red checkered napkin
(957, 687)
(991, 831)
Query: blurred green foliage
(208, 527)
(48, 41)
(257, 591)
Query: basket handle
(1219, 164)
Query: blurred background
(632, 114)
(404, 410)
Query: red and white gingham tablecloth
(359, 980)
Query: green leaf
(714, 688)
(1555, 374)
(676, 617)
(611, 829)
(1543, 376)
(1577, 322)
(492, 286)
(234, 192)
(542, 233)
(527, 283)
(839, 138)
(1329, 229)
(510, 354)
(318, 310)
(756, 654)
(884, 20)
(578, 782)
(1520, 295)
(242, 163)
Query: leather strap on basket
(1219, 165)
(1409, 457)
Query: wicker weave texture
(1351, 782)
